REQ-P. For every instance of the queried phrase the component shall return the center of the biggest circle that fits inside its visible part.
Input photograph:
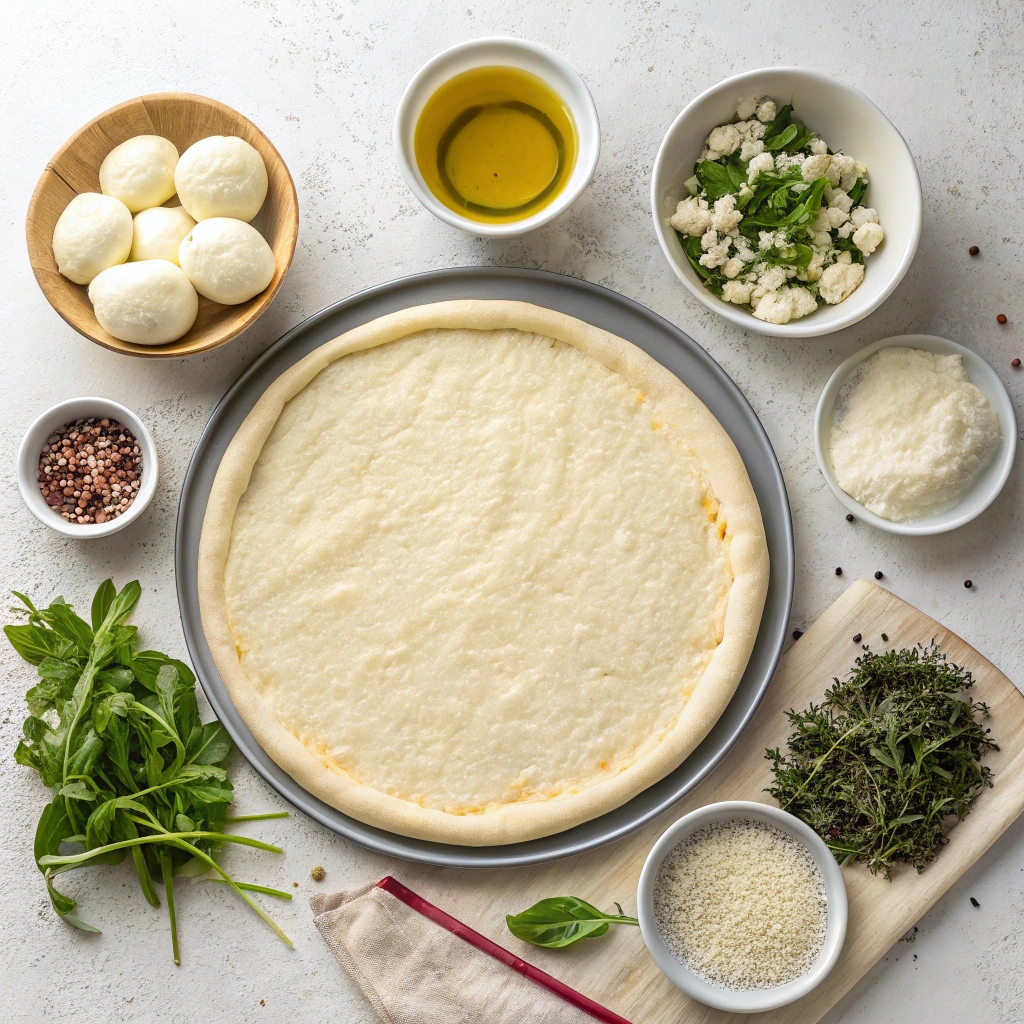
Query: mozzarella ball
(140, 172)
(226, 260)
(157, 233)
(148, 303)
(94, 232)
(222, 176)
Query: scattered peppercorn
(295, 885)
(90, 470)
(974, 250)
(317, 874)
(839, 572)
(262, 1003)
(885, 638)
(1015, 363)
(878, 574)
(974, 902)
(849, 517)
(968, 584)
(1001, 318)
(797, 633)
(856, 638)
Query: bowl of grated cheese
(742, 906)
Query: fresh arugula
(115, 733)
(562, 920)
(888, 760)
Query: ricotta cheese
(911, 433)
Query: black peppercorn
(968, 584)
(878, 574)
(839, 572)
(974, 902)
(797, 633)
(849, 517)
(856, 638)
(974, 250)
(885, 638)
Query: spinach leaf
(562, 920)
(857, 192)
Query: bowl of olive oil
(497, 136)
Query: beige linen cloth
(413, 971)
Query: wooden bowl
(184, 119)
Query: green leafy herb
(562, 920)
(115, 733)
(890, 758)
(715, 179)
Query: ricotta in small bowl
(915, 435)
(911, 433)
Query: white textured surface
(323, 79)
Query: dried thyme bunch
(891, 755)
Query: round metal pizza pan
(602, 308)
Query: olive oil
(496, 144)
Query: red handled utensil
(464, 932)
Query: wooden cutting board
(617, 970)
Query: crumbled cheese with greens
(743, 905)
(775, 221)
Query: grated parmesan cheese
(742, 904)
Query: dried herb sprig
(888, 760)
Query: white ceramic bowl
(847, 120)
(988, 485)
(757, 1000)
(59, 416)
(516, 53)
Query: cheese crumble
(742, 904)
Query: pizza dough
(94, 232)
(477, 572)
(221, 176)
(140, 172)
(157, 233)
(148, 303)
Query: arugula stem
(256, 817)
(168, 872)
(145, 878)
(221, 837)
(196, 852)
(250, 887)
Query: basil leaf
(101, 603)
(34, 643)
(783, 118)
(784, 138)
(561, 921)
(209, 744)
(714, 179)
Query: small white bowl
(985, 489)
(754, 1000)
(32, 446)
(847, 120)
(516, 53)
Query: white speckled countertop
(322, 78)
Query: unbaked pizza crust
(470, 766)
